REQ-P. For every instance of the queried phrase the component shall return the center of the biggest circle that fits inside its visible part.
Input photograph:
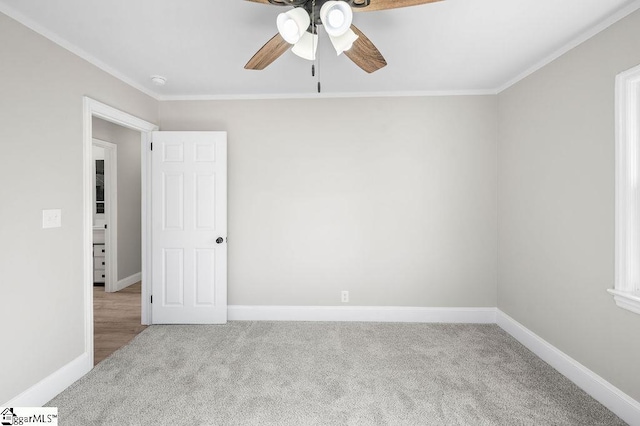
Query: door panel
(173, 206)
(189, 211)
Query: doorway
(104, 211)
(93, 110)
(116, 237)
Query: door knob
(219, 240)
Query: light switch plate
(51, 218)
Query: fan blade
(276, 2)
(364, 54)
(387, 4)
(271, 51)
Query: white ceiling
(201, 46)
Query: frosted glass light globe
(290, 29)
(336, 18)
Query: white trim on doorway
(93, 108)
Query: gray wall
(392, 199)
(556, 206)
(129, 194)
(41, 87)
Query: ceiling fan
(298, 30)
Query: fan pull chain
(314, 31)
(318, 68)
(318, 63)
(318, 71)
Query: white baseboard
(130, 280)
(46, 389)
(362, 313)
(604, 392)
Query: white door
(189, 236)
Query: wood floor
(116, 319)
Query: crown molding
(575, 42)
(586, 35)
(312, 95)
(50, 35)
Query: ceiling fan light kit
(299, 27)
(336, 17)
(293, 24)
(307, 47)
(343, 42)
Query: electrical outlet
(345, 296)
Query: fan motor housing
(310, 4)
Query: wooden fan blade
(271, 51)
(389, 4)
(364, 54)
(279, 3)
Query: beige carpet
(266, 373)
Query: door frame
(110, 212)
(92, 108)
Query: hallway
(116, 319)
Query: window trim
(627, 209)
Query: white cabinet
(98, 235)
(99, 264)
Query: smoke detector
(158, 80)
